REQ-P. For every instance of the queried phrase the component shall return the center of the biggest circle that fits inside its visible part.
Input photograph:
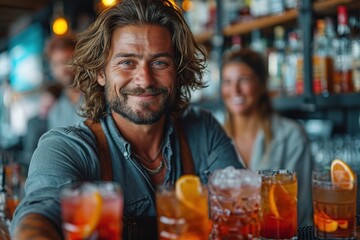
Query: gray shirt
(66, 155)
(63, 113)
(289, 149)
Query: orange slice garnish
(341, 174)
(87, 216)
(325, 223)
(279, 200)
(343, 224)
(188, 191)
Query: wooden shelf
(328, 4)
(259, 23)
(265, 22)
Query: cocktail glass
(92, 211)
(334, 206)
(235, 204)
(182, 218)
(278, 204)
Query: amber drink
(182, 211)
(278, 204)
(235, 204)
(92, 211)
(334, 206)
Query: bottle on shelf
(292, 56)
(275, 62)
(342, 62)
(290, 4)
(258, 43)
(236, 43)
(354, 23)
(330, 34)
(276, 7)
(259, 8)
(322, 61)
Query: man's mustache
(139, 90)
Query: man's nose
(145, 77)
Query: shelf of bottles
(251, 23)
(333, 51)
(335, 64)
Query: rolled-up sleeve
(57, 161)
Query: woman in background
(263, 138)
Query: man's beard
(144, 114)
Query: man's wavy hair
(92, 52)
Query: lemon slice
(188, 190)
(87, 216)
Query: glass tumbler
(334, 206)
(234, 204)
(180, 217)
(92, 211)
(278, 204)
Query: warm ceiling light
(60, 26)
(187, 5)
(108, 3)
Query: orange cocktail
(334, 201)
(92, 211)
(183, 212)
(278, 204)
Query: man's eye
(159, 64)
(127, 62)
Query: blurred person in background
(38, 125)
(59, 51)
(263, 138)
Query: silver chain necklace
(156, 170)
(148, 160)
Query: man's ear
(101, 78)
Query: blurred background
(295, 37)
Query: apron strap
(103, 149)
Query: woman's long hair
(256, 62)
(92, 51)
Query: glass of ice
(234, 204)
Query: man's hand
(37, 227)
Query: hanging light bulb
(60, 24)
(108, 3)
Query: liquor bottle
(322, 61)
(275, 62)
(259, 8)
(276, 7)
(342, 62)
(354, 23)
(290, 4)
(292, 56)
(258, 44)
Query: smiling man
(136, 65)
